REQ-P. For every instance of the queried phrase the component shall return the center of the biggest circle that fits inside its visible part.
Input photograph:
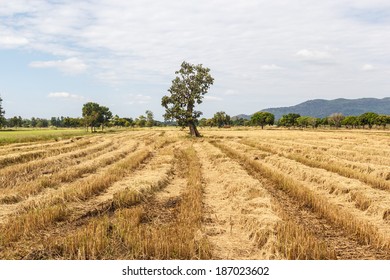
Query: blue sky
(57, 55)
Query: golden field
(232, 194)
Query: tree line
(261, 119)
(93, 116)
(337, 120)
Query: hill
(321, 108)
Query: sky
(56, 55)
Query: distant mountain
(321, 108)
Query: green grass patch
(34, 135)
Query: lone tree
(2, 112)
(95, 115)
(262, 119)
(190, 85)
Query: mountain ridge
(321, 108)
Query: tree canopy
(95, 115)
(289, 119)
(350, 121)
(262, 119)
(368, 118)
(188, 88)
(2, 112)
(149, 118)
(221, 119)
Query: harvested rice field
(232, 194)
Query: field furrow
(155, 193)
(365, 148)
(339, 214)
(40, 214)
(321, 151)
(374, 175)
(154, 228)
(42, 192)
(13, 176)
(29, 146)
(67, 174)
(36, 154)
(22, 174)
(150, 176)
(239, 220)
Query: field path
(236, 208)
(345, 245)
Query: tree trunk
(193, 130)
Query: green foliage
(95, 115)
(33, 135)
(221, 119)
(2, 112)
(42, 123)
(15, 122)
(149, 118)
(123, 122)
(314, 122)
(382, 120)
(262, 119)
(91, 112)
(337, 120)
(305, 121)
(140, 121)
(71, 122)
(105, 116)
(368, 118)
(289, 120)
(241, 122)
(203, 122)
(188, 88)
(350, 121)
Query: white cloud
(65, 95)
(12, 41)
(314, 55)
(368, 67)
(139, 45)
(21, 6)
(271, 67)
(69, 66)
